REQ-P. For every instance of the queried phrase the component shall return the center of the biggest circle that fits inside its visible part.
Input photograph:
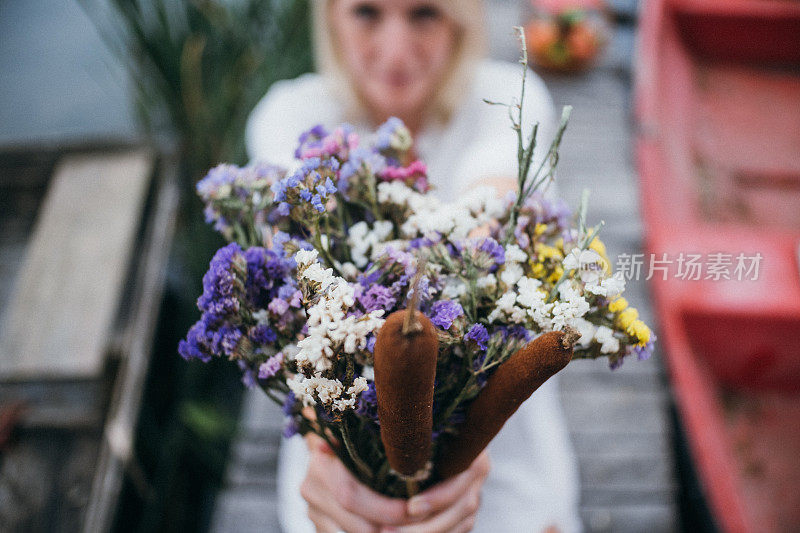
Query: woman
(422, 61)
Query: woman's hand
(338, 501)
(451, 505)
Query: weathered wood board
(67, 293)
(73, 438)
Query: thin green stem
(365, 470)
(272, 396)
(325, 252)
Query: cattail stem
(411, 324)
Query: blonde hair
(470, 47)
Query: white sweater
(533, 481)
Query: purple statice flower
(367, 403)
(280, 188)
(278, 306)
(221, 292)
(248, 374)
(290, 410)
(394, 255)
(424, 286)
(371, 343)
(485, 253)
(319, 143)
(296, 299)
(478, 334)
(232, 193)
(218, 330)
(218, 182)
(310, 140)
(266, 272)
(420, 242)
(263, 334)
(226, 339)
(361, 160)
(289, 407)
(482, 377)
(444, 312)
(494, 249)
(307, 188)
(291, 428)
(515, 332)
(197, 344)
(271, 366)
(540, 209)
(557, 210)
(644, 352)
(377, 297)
(371, 277)
(570, 235)
(237, 279)
(520, 233)
(392, 134)
(279, 240)
(455, 419)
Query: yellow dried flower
(618, 305)
(538, 270)
(556, 275)
(639, 330)
(548, 252)
(626, 317)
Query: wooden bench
(76, 334)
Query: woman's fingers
(354, 497)
(335, 519)
(321, 521)
(324, 510)
(333, 492)
(338, 501)
(444, 494)
(460, 514)
(465, 525)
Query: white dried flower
(305, 257)
(610, 287)
(487, 282)
(605, 336)
(511, 273)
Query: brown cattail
(511, 384)
(406, 349)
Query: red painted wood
(717, 101)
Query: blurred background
(686, 126)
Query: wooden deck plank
(64, 300)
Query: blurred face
(396, 52)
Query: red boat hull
(718, 110)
